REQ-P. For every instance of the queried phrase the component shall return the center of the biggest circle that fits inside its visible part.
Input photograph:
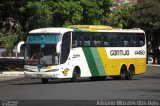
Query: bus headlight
(53, 70)
(28, 70)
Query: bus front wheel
(76, 75)
(44, 81)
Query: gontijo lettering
(119, 52)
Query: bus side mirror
(58, 47)
(19, 46)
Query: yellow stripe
(91, 30)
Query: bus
(79, 51)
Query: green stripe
(98, 61)
(91, 62)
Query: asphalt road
(142, 87)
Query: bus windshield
(41, 49)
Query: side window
(126, 39)
(74, 40)
(137, 40)
(106, 40)
(133, 40)
(121, 40)
(86, 39)
(111, 39)
(115, 39)
(97, 39)
(77, 39)
(65, 47)
(141, 40)
(80, 39)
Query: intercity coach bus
(90, 51)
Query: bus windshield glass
(43, 38)
(41, 49)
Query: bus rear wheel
(123, 73)
(44, 80)
(130, 73)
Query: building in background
(125, 1)
(117, 4)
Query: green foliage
(9, 41)
(146, 15)
(95, 11)
(11, 34)
(46, 13)
(120, 17)
(38, 14)
(67, 13)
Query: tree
(95, 11)
(120, 17)
(66, 12)
(8, 41)
(146, 15)
(37, 14)
(11, 34)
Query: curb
(12, 73)
(156, 65)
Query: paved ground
(10, 75)
(142, 87)
(5, 78)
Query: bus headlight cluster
(53, 70)
(28, 70)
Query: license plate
(39, 75)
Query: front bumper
(40, 75)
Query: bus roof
(102, 28)
(51, 30)
(85, 28)
(91, 27)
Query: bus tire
(123, 73)
(100, 78)
(92, 78)
(44, 80)
(75, 75)
(115, 77)
(130, 73)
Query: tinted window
(108, 39)
(87, 39)
(65, 48)
(97, 39)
